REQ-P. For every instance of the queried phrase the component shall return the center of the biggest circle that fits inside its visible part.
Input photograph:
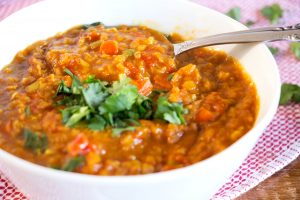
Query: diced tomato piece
(144, 86)
(80, 145)
(109, 47)
(133, 71)
(213, 106)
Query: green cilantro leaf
(143, 107)
(86, 26)
(274, 50)
(249, 23)
(122, 98)
(289, 93)
(35, 142)
(235, 13)
(76, 84)
(295, 48)
(168, 37)
(97, 123)
(70, 100)
(296, 97)
(171, 112)
(129, 52)
(117, 131)
(119, 85)
(73, 163)
(68, 112)
(95, 94)
(27, 111)
(91, 79)
(74, 114)
(273, 12)
(120, 101)
(63, 89)
(170, 76)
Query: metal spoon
(290, 33)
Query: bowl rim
(152, 177)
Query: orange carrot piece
(204, 115)
(109, 47)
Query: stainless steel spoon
(290, 33)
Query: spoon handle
(290, 33)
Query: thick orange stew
(114, 101)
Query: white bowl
(198, 181)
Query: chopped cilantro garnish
(35, 142)
(117, 131)
(27, 111)
(129, 52)
(73, 163)
(249, 23)
(168, 37)
(143, 107)
(63, 89)
(86, 26)
(170, 76)
(273, 12)
(123, 96)
(235, 13)
(274, 50)
(73, 115)
(97, 123)
(95, 94)
(76, 84)
(295, 48)
(171, 112)
(98, 105)
(289, 93)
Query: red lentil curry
(114, 101)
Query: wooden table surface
(283, 185)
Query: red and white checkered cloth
(280, 143)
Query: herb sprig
(272, 12)
(295, 48)
(274, 50)
(289, 93)
(86, 26)
(35, 142)
(73, 163)
(235, 13)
